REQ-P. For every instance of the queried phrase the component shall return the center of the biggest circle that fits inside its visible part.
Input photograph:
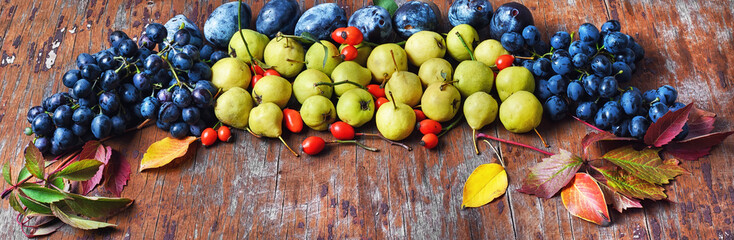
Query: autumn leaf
(100, 153)
(34, 161)
(583, 198)
(700, 122)
(694, 148)
(78, 222)
(116, 173)
(165, 151)
(645, 164)
(619, 201)
(546, 178)
(631, 186)
(486, 182)
(667, 127)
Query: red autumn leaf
(667, 127)
(547, 177)
(700, 122)
(583, 198)
(645, 164)
(101, 154)
(619, 201)
(594, 137)
(623, 182)
(89, 150)
(116, 174)
(694, 148)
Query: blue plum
(321, 20)
(509, 17)
(278, 16)
(413, 17)
(222, 23)
(374, 22)
(476, 13)
(174, 24)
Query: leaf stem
(588, 124)
(482, 135)
(495, 151)
(289, 147)
(450, 126)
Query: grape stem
(387, 140)
(239, 26)
(471, 54)
(482, 135)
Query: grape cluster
(122, 86)
(586, 74)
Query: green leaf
(78, 222)
(95, 207)
(34, 161)
(308, 38)
(15, 204)
(33, 205)
(645, 164)
(631, 186)
(42, 194)
(23, 174)
(389, 5)
(6, 173)
(59, 183)
(79, 171)
(46, 229)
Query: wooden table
(254, 188)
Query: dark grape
(156, 32)
(43, 144)
(608, 87)
(657, 110)
(543, 68)
(542, 91)
(575, 91)
(33, 112)
(116, 37)
(588, 33)
(622, 72)
(649, 96)
(108, 62)
(142, 82)
(591, 85)
(70, 77)
(207, 85)
(190, 115)
(580, 60)
(528, 64)
(89, 101)
(110, 80)
(192, 51)
(560, 40)
(631, 102)
(91, 71)
(201, 97)
(85, 59)
(218, 55)
(607, 116)
(164, 95)
(43, 125)
(638, 127)
(615, 42)
(182, 61)
(153, 62)
(128, 93)
(512, 41)
(64, 137)
(611, 26)
(118, 125)
(206, 52)
(169, 112)
(179, 130)
(601, 66)
(80, 130)
(182, 37)
(200, 71)
(109, 103)
(196, 129)
(586, 110)
(621, 129)
(556, 107)
(149, 107)
(62, 116)
(163, 125)
(562, 65)
(128, 48)
(146, 42)
(556, 84)
(676, 106)
(182, 97)
(101, 126)
(667, 94)
(531, 35)
(82, 116)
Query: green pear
(455, 48)
(256, 42)
(382, 64)
(304, 86)
(424, 45)
(266, 120)
(406, 86)
(352, 71)
(285, 55)
(363, 52)
(355, 107)
(473, 76)
(318, 112)
(435, 70)
(273, 89)
(513, 79)
(441, 101)
(231, 72)
(395, 120)
(480, 109)
(488, 50)
(521, 112)
(233, 107)
(315, 57)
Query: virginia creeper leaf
(42, 194)
(583, 198)
(694, 148)
(103, 155)
(46, 229)
(619, 201)
(13, 201)
(700, 122)
(486, 182)
(631, 186)
(89, 150)
(34, 161)
(78, 222)
(116, 173)
(388, 5)
(23, 174)
(33, 205)
(645, 164)
(6, 174)
(165, 151)
(667, 127)
(59, 183)
(546, 178)
(95, 207)
(79, 170)
(594, 137)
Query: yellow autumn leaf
(165, 151)
(487, 182)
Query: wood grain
(254, 188)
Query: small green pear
(395, 121)
(513, 79)
(406, 86)
(435, 70)
(473, 76)
(521, 112)
(315, 57)
(480, 109)
(233, 107)
(266, 120)
(304, 86)
(455, 48)
(382, 64)
(352, 71)
(441, 101)
(488, 50)
(231, 72)
(363, 52)
(424, 45)
(318, 112)
(273, 89)
(285, 55)
(256, 42)
(355, 107)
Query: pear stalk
(541, 138)
(482, 135)
(289, 147)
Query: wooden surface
(254, 188)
